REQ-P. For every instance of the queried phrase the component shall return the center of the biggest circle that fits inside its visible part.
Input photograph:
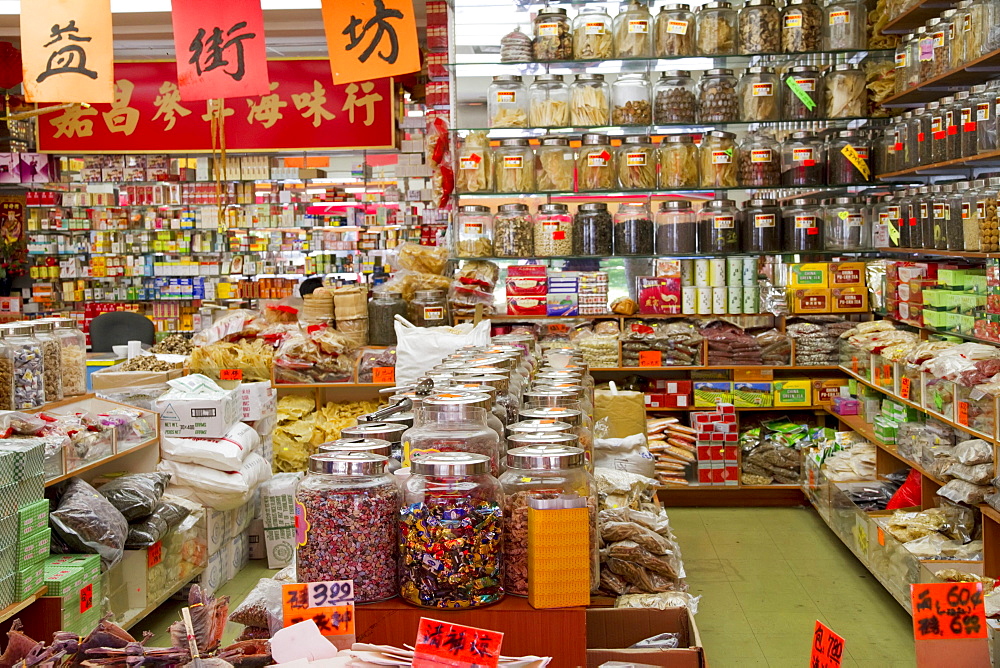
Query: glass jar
(572, 416)
(939, 130)
(952, 117)
(937, 30)
(883, 152)
(902, 65)
(636, 163)
(970, 117)
(965, 125)
(717, 29)
(29, 366)
(429, 308)
(717, 229)
(371, 446)
(513, 166)
(344, 496)
(758, 94)
(926, 216)
(971, 223)
(905, 148)
(939, 214)
(847, 160)
(717, 99)
(590, 101)
(913, 61)
(513, 231)
(453, 422)
(633, 230)
(595, 164)
(923, 56)
(634, 31)
(846, 26)
(801, 27)
(759, 27)
(676, 228)
(678, 158)
(507, 102)
(474, 231)
(475, 164)
(987, 106)
(466, 385)
(630, 100)
(989, 230)
(959, 28)
(452, 508)
(910, 232)
(554, 164)
(979, 26)
(846, 227)
(925, 137)
(845, 92)
(553, 233)
(717, 155)
(760, 161)
(675, 31)
(884, 220)
(382, 311)
(540, 427)
(593, 35)
(803, 101)
(802, 222)
(548, 102)
(593, 230)
(553, 37)
(674, 99)
(52, 359)
(802, 160)
(72, 359)
(955, 231)
(761, 222)
(546, 472)
(7, 380)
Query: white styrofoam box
(214, 575)
(257, 401)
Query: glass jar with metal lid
(515, 381)
(507, 102)
(758, 93)
(955, 231)
(630, 100)
(844, 92)
(375, 446)
(52, 359)
(971, 225)
(937, 29)
(900, 146)
(593, 35)
(989, 230)
(908, 219)
(959, 28)
(503, 397)
(553, 233)
(759, 27)
(382, 311)
(636, 163)
(925, 217)
(979, 31)
(674, 99)
(939, 215)
(900, 81)
(595, 164)
(513, 231)
(548, 102)
(633, 229)
(575, 388)
(344, 496)
(846, 226)
(925, 117)
(886, 219)
(72, 359)
(676, 228)
(429, 308)
(452, 508)
(467, 386)
(986, 117)
(922, 57)
(453, 422)
(589, 101)
(475, 164)
(802, 222)
(553, 37)
(848, 161)
(7, 380)
(634, 31)
(557, 438)
(678, 158)
(952, 118)
(554, 164)
(717, 98)
(970, 125)
(760, 160)
(846, 26)
(674, 33)
(514, 166)
(382, 430)
(573, 416)
(452, 397)
(716, 29)
(717, 229)
(539, 427)
(802, 161)
(939, 129)
(801, 27)
(593, 230)
(717, 155)
(761, 222)
(803, 101)
(557, 476)
(473, 231)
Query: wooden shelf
(738, 408)
(916, 16)
(714, 368)
(956, 166)
(972, 255)
(15, 608)
(973, 72)
(102, 462)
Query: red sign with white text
(305, 110)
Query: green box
(34, 546)
(7, 590)
(8, 530)
(949, 278)
(63, 580)
(33, 517)
(29, 578)
(90, 564)
(25, 456)
(885, 429)
(30, 490)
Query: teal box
(32, 517)
(29, 579)
(35, 546)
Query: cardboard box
(257, 401)
(255, 540)
(190, 415)
(809, 275)
(847, 274)
(527, 286)
(610, 632)
(526, 306)
(826, 390)
(814, 300)
(792, 392)
(109, 379)
(849, 300)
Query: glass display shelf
(772, 192)
(666, 256)
(666, 128)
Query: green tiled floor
(766, 575)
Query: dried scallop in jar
(475, 164)
(554, 165)
(678, 158)
(636, 163)
(595, 166)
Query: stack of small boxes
(76, 580)
(717, 446)
(717, 286)
(828, 287)
(24, 519)
(531, 291)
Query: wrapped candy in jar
(52, 356)
(802, 160)
(451, 532)
(372, 446)
(845, 92)
(554, 473)
(72, 359)
(29, 366)
(349, 505)
(678, 158)
(453, 422)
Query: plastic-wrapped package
(627, 550)
(961, 491)
(140, 396)
(415, 257)
(816, 341)
(729, 345)
(775, 347)
(951, 362)
(407, 283)
(251, 356)
(87, 522)
(678, 342)
(979, 474)
(165, 517)
(645, 538)
(660, 601)
(217, 489)
(657, 523)
(253, 610)
(321, 355)
(973, 451)
(224, 454)
(135, 495)
(370, 358)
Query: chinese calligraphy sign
(370, 39)
(301, 108)
(827, 648)
(220, 49)
(329, 604)
(68, 51)
(445, 644)
(948, 610)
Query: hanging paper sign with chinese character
(370, 39)
(302, 109)
(67, 51)
(445, 644)
(220, 49)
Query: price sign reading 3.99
(329, 604)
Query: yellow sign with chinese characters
(370, 39)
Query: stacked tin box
(24, 519)
(717, 445)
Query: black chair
(117, 328)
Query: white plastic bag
(625, 454)
(223, 454)
(216, 489)
(420, 348)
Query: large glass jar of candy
(634, 31)
(52, 359)
(589, 101)
(548, 102)
(514, 166)
(802, 160)
(801, 94)
(451, 532)
(760, 27)
(846, 225)
(717, 155)
(553, 38)
(554, 164)
(553, 233)
(593, 230)
(801, 27)
(846, 26)
(716, 29)
(72, 358)
(349, 504)
(633, 230)
(636, 163)
(593, 37)
(595, 165)
(474, 233)
(717, 228)
(558, 476)
(674, 31)
(761, 226)
(674, 99)
(678, 158)
(452, 423)
(676, 228)
(802, 221)
(513, 233)
(758, 93)
(507, 102)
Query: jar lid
(919, 112)
(491, 380)
(447, 399)
(761, 69)
(923, 190)
(946, 100)
(347, 463)
(549, 384)
(716, 5)
(428, 294)
(556, 374)
(560, 413)
(18, 330)
(848, 133)
(675, 7)
(491, 370)
(545, 452)
(472, 208)
(592, 139)
(800, 2)
(907, 114)
(961, 185)
(803, 135)
(721, 135)
(759, 3)
(978, 88)
(762, 202)
(594, 207)
(515, 207)
(803, 69)
(514, 141)
(404, 418)
(675, 73)
(554, 141)
(994, 181)
(962, 95)
(384, 431)
(932, 105)
(632, 76)
(464, 385)
(675, 205)
(948, 187)
(719, 203)
(542, 392)
(920, 31)
(844, 67)
(979, 183)
(449, 463)
(948, 13)
(539, 427)
(677, 139)
(844, 200)
(545, 78)
(375, 446)
(719, 71)
(590, 77)
(42, 326)
(550, 208)
(508, 78)
(803, 201)
(64, 323)
(636, 139)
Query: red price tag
(231, 374)
(445, 644)
(86, 598)
(948, 610)
(154, 554)
(828, 648)
(384, 374)
(878, 375)
(329, 604)
(881, 537)
(854, 365)
(650, 358)
(904, 388)
(963, 413)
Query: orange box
(811, 300)
(847, 274)
(753, 374)
(849, 300)
(825, 389)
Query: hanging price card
(904, 388)
(384, 374)
(444, 644)
(329, 604)
(231, 374)
(650, 358)
(963, 413)
(827, 649)
(154, 554)
(86, 598)
(948, 610)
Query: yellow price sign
(852, 154)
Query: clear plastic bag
(424, 259)
(620, 531)
(165, 518)
(659, 641)
(973, 451)
(642, 578)
(978, 474)
(661, 601)
(87, 522)
(961, 491)
(253, 610)
(628, 550)
(135, 495)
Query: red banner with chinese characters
(220, 48)
(304, 110)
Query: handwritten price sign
(947, 610)
(329, 604)
(650, 358)
(827, 649)
(230, 374)
(443, 644)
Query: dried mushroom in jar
(553, 40)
